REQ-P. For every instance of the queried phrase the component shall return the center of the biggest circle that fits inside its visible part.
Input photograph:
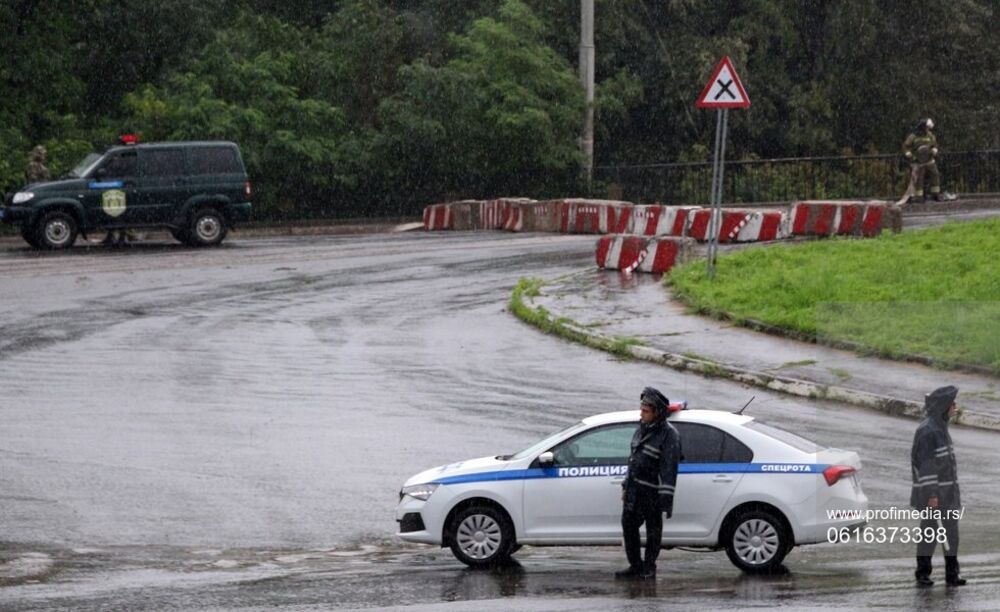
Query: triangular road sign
(724, 89)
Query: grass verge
(933, 295)
(563, 327)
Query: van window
(215, 160)
(162, 162)
(119, 165)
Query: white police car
(744, 486)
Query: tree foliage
(380, 106)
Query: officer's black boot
(629, 573)
(648, 571)
(923, 573)
(634, 569)
(951, 574)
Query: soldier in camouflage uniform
(920, 149)
(36, 171)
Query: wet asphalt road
(228, 428)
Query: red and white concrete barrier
(438, 217)
(658, 220)
(739, 225)
(630, 253)
(482, 214)
(579, 216)
(829, 217)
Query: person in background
(36, 172)
(920, 149)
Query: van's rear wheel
(56, 230)
(482, 536)
(756, 541)
(207, 227)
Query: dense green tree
(501, 117)
(360, 105)
(243, 87)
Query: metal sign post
(715, 198)
(718, 94)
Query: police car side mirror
(546, 459)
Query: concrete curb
(792, 386)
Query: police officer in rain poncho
(648, 490)
(935, 485)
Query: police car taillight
(247, 189)
(835, 472)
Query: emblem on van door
(113, 202)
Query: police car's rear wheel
(482, 536)
(756, 541)
(207, 228)
(56, 230)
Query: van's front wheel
(56, 230)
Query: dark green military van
(197, 190)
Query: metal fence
(789, 179)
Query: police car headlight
(22, 196)
(420, 491)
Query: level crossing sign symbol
(724, 89)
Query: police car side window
(604, 446)
(707, 444)
(734, 451)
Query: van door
(163, 184)
(110, 199)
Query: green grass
(932, 293)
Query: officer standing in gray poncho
(648, 490)
(935, 485)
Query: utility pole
(587, 78)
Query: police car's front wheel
(482, 536)
(756, 541)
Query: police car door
(581, 498)
(712, 465)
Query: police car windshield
(547, 442)
(788, 438)
(82, 167)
